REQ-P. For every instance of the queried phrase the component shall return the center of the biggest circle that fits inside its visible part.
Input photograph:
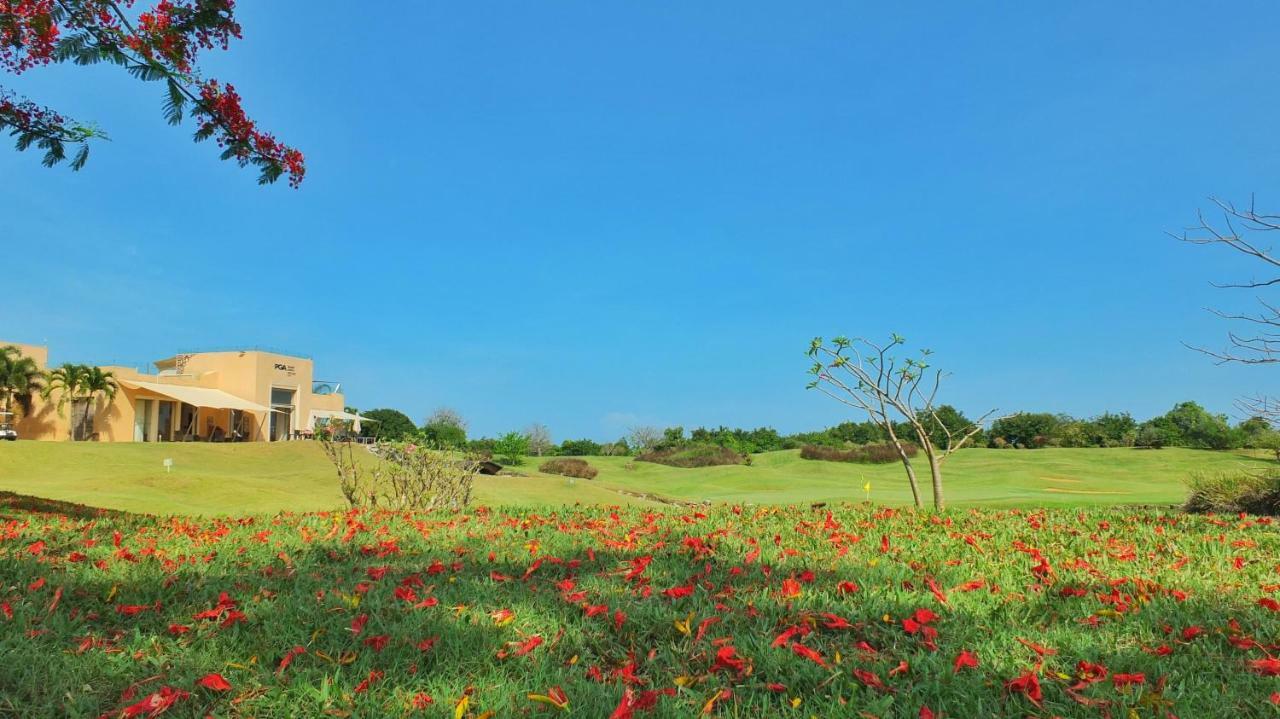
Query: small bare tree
(867, 376)
(643, 438)
(1243, 230)
(539, 438)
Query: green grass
(264, 478)
(208, 479)
(756, 607)
(1039, 478)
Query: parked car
(6, 427)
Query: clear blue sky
(597, 214)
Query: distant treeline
(1186, 425)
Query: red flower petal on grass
(529, 645)
(965, 659)
(1028, 685)
(1268, 667)
(357, 624)
(373, 678)
(216, 682)
(155, 704)
(288, 659)
(804, 652)
(1124, 680)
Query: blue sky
(601, 214)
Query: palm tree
(20, 378)
(95, 382)
(68, 382)
(80, 385)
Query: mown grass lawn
(254, 478)
(856, 611)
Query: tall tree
(96, 383)
(867, 376)
(445, 428)
(81, 386)
(65, 381)
(389, 424)
(20, 380)
(161, 44)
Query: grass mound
(881, 453)
(569, 467)
(701, 455)
(1232, 493)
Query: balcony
(326, 387)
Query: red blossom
(155, 704)
(1028, 685)
(216, 682)
(965, 660)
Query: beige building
(240, 395)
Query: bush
(404, 477)
(878, 453)
(689, 456)
(569, 468)
(1234, 493)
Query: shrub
(1232, 493)
(878, 453)
(403, 477)
(569, 467)
(689, 456)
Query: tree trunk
(911, 478)
(935, 470)
(89, 410)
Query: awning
(198, 396)
(336, 414)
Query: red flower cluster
(166, 32)
(27, 33)
(162, 42)
(225, 117)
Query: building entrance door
(142, 421)
(164, 421)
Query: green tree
(1190, 425)
(946, 421)
(96, 383)
(512, 447)
(1026, 429)
(20, 380)
(66, 381)
(390, 424)
(1112, 429)
(579, 448)
(1270, 440)
(81, 386)
(445, 428)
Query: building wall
(250, 375)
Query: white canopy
(198, 396)
(336, 414)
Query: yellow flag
(866, 487)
